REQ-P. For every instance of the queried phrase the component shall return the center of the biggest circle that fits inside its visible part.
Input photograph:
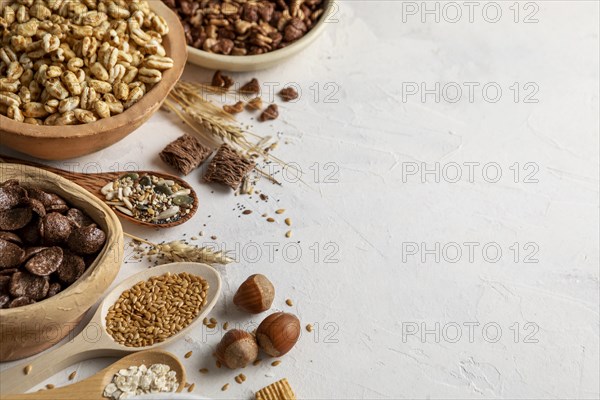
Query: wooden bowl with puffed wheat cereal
(52, 142)
(30, 329)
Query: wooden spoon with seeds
(95, 341)
(92, 388)
(95, 182)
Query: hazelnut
(255, 295)
(237, 349)
(278, 333)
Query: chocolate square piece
(228, 167)
(185, 154)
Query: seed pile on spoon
(148, 198)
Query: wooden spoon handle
(15, 380)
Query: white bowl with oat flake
(267, 60)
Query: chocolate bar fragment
(185, 154)
(228, 167)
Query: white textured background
(364, 296)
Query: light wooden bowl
(28, 330)
(262, 61)
(64, 142)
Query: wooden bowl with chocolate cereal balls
(243, 36)
(88, 87)
(60, 250)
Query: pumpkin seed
(164, 189)
(183, 200)
(145, 181)
(131, 175)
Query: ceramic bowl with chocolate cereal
(60, 249)
(240, 35)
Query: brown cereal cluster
(241, 27)
(185, 154)
(45, 245)
(228, 167)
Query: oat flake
(135, 381)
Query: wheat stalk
(178, 250)
(210, 123)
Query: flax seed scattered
(211, 326)
(191, 388)
(188, 354)
(288, 221)
(256, 362)
(242, 377)
(72, 375)
(270, 219)
(309, 328)
(280, 211)
(49, 386)
(289, 302)
(247, 212)
(288, 234)
(226, 326)
(213, 320)
(27, 369)
(204, 370)
(275, 363)
(225, 387)
(238, 379)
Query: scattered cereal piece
(271, 113)
(288, 94)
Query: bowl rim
(174, 40)
(114, 241)
(272, 56)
